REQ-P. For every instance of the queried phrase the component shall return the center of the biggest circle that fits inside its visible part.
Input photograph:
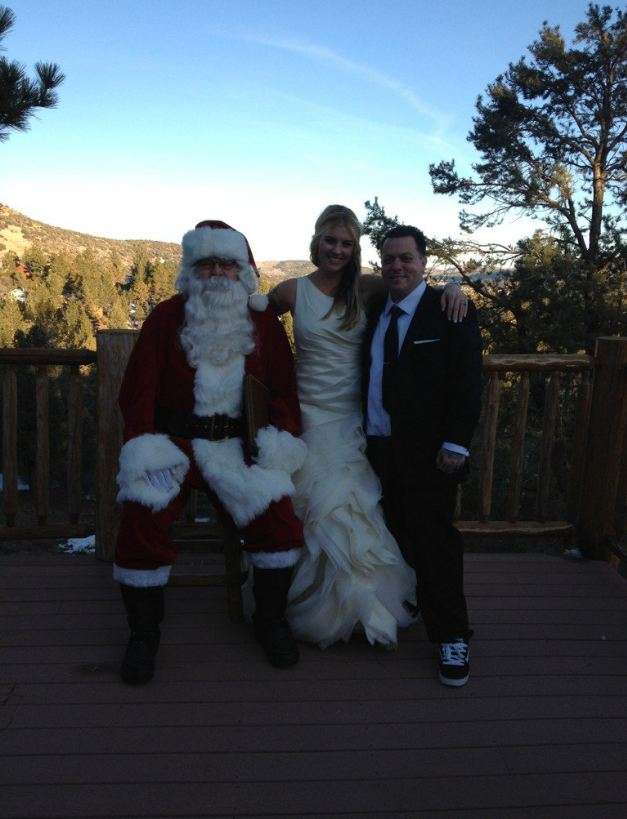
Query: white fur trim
(258, 302)
(218, 388)
(141, 578)
(222, 242)
(274, 560)
(248, 278)
(279, 449)
(245, 491)
(146, 453)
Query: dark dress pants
(419, 504)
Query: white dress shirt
(378, 420)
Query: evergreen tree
(9, 263)
(56, 277)
(20, 95)
(552, 138)
(11, 321)
(118, 313)
(377, 223)
(74, 328)
(35, 261)
(160, 278)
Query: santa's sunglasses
(214, 261)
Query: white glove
(160, 479)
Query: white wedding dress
(351, 573)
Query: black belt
(188, 425)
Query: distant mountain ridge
(18, 232)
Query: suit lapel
(416, 330)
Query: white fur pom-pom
(258, 302)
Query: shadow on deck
(539, 731)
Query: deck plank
(349, 794)
(351, 731)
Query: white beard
(217, 324)
(217, 335)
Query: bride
(351, 573)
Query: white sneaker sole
(456, 683)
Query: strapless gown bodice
(327, 358)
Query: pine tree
(551, 134)
(118, 313)
(11, 321)
(20, 95)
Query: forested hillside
(59, 287)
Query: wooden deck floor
(539, 731)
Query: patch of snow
(80, 545)
(573, 554)
(17, 294)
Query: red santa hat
(215, 238)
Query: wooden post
(582, 422)
(42, 466)
(598, 521)
(74, 449)
(490, 420)
(113, 349)
(9, 445)
(549, 421)
(518, 449)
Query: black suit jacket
(437, 379)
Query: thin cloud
(327, 115)
(325, 55)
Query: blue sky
(258, 113)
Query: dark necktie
(390, 355)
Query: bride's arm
(282, 297)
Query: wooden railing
(42, 359)
(553, 368)
(597, 480)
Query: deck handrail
(42, 358)
(601, 400)
(538, 362)
(46, 356)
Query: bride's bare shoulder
(283, 296)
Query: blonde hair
(347, 294)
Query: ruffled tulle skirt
(351, 573)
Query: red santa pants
(145, 541)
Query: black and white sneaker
(454, 662)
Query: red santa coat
(256, 496)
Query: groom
(422, 391)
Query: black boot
(271, 628)
(144, 608)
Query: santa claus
(181, 399)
